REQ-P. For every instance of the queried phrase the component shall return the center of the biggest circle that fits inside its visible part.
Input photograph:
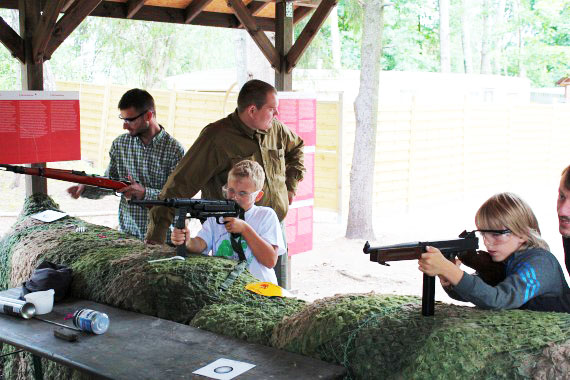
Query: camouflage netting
(373, 336)
(111, 268)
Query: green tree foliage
(411, 37)
(140, 53)
(9, 66)
(528, 38)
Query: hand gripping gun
(195, 208)
(464, 248)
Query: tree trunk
(466, 37)
(444, 44)
(366, 111)
(485, 40)
(335, 39)
(498, 37)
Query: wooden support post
(32, 74)
(283, 42)
(45, 29)
(283, 82)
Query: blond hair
(508, 210)
(566, 177)
(249, 169)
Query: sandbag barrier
(373, 336)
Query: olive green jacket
(219, 146)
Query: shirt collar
(156, 139)
(244, 128)
(250, 210)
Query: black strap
(235, 240)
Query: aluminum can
(91, 321)
(17, 308)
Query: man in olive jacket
(250, 132)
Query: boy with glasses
(261, 237)
(511, 234)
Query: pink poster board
(39, 126)
(299, 112)
(299, 228)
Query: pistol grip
(181, 250)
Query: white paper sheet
(49, 215)
(224, 369)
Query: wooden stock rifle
(69, 176)
(464, 248)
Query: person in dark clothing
(563, 209)
(561, 304)
(511, 234)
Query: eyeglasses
(230, 193)
(494, 236)
(129, 120)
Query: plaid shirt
(148, 165)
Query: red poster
(299, 228)
(306, 188)
(39, 126)
(299, 112)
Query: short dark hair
(566, 177)
(139, 99)
(254, 92)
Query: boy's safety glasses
(230, 193)
(498, 236)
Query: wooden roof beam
(177, 16)
(260, 38)
(67, 24)
(309, 32)
(194, 9)
(133, 6)
(300, 13)
(67, 5)
(12, 40)
(255, 7)
(45, 28)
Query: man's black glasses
(131, 119)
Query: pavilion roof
(257, 16)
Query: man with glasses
(145, 156)
(250, 132)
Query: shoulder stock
(488, 270)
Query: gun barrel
(414, 250)
(69, 176)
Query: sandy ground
(336, 264)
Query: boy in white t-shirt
(261, 235)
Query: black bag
(49, 276)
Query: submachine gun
(197, 209)
(464, 248)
